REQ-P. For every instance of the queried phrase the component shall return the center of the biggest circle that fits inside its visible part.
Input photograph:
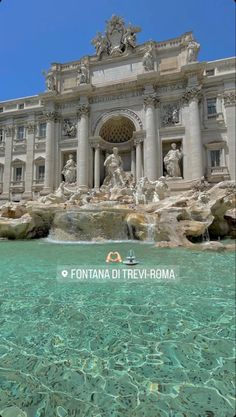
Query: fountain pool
(116, 349)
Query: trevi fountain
(119, 349)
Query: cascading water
(206, 236)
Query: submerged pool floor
(116, 349)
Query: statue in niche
(69, 170)
(82, 77)
(69, 129)
(171, 161)
(192, 51)
(148, 60)
(101, 44)
(116, 176)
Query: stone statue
(101, 44)
(69, 170)
(171, 115)
(148, 60)
(115, 172)
(69, 129)
(161, 190)
(129, 38)
(82, 77)
(51, 82)
(171, 161)
(175, 115)
(55, 198)
(192, 51)
(118, 38)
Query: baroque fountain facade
(132, 142)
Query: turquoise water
(116, 349)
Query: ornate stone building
(142, 98)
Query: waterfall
(130, 232)
(150, 232)
(206, 236)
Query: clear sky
(35, 33)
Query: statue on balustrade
(192, 51)
(69, 170)
(172, 161)
(148, 60)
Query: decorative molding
(83, 110)
(52, 116)
(229, 98)
(191, 93)
(31, 128)
(114, 113)
(9, 131)
(151, 100)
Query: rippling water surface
(116, 349)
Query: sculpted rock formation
(144, 212)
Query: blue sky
(35, 33)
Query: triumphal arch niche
(167, 114)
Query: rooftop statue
(83, 74)
(148, 59)
(117, 39)
(192, 51)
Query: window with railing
(215, 157)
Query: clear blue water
(116, 349)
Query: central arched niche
(118, 129)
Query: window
(211, 107)
(18, 174)
(21, 106)
(41, 172)
(1, 109)
(210, 72)
(20, 132)
(42, 130)
(1, 135)
(215, 158)
(1, 173)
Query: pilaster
(9, 133)
(229, 103)
(82, 152)
(30, 130)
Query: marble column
(229, 103)
(97, 167)
(133, 162)
(50, 152)
(150, 146)
(82, 153)
(29, 167)
(158, 143)
(192, 96)
(139, 159)
(9, 132)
